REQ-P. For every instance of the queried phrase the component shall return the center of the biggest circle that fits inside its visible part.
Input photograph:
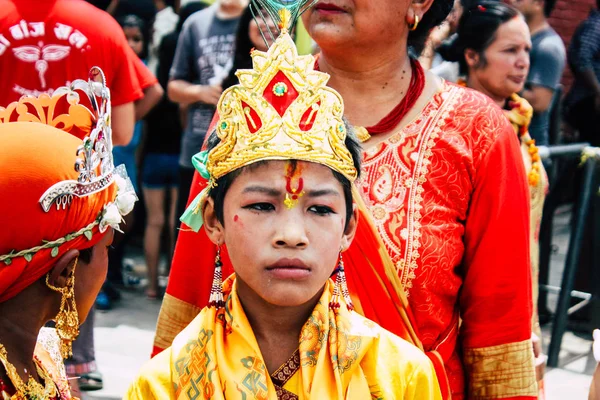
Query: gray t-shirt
(548, 58)
(204, 56)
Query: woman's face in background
(256, 28)
(507, 59)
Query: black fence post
(575, 242)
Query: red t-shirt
(48, 44)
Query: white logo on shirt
(40, 55)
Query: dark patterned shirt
(584, 53)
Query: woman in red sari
(492, 46)
(441, 256)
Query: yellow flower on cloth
(341, 354)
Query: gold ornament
(362, 133)
(31, 390)
(281, 110)
(67, 319)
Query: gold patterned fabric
(499, 372)
(520, 117)
(341, 355)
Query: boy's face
(283, 229)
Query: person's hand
(439, 34)
(209, 94)
(540, 357)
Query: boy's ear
(350, 228)
(214, 228)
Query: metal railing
(589, 187)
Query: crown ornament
(93, 159)
(280, 110)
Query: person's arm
(540, 97)
(544, 75)
(581, 58)
(152, 96)
(180, 88)
(185, 93)
(123, 121)
(496, 300)
(112, 7)
(436, 37)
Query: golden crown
(281, 110)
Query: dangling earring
(413, 26)
(341, 288)
(216, 292)
(67, 319)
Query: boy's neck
(277, 329)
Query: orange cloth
(33, 157)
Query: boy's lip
(289, 263)
(289, 269)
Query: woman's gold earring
(67, 319)
(413, 26)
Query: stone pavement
(124, 336)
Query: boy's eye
(321, 210)
(260, 207)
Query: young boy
(281, 167)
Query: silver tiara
(94, 160)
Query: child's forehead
(276, 170)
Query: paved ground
(124, 335)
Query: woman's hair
(222, 185)
(243, 46)
(133, 21)
(433, 17)
(476, 31)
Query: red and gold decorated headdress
(281, 110)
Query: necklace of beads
(30, 391)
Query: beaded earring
(341, 288)
(216, 291)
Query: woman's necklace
(30, 391)
(520, 116)
(390, 121)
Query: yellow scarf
(342, 356)
(329, 356)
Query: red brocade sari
(441, 256)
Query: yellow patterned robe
(341, 355)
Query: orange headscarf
(33, 157)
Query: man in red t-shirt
(48, 44)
